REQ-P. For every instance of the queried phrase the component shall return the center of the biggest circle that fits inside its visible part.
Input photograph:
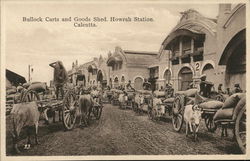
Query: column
(180, 47)
(192, 48)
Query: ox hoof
(16, 151)
(26, 146)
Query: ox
(86, 103)
(192, 117)
(25, 115)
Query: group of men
(205, 87)
(237, 89)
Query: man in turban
(60, 77)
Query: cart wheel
(99, 113)
(150, 114)
(177, 113)
(69, 110)
(135, 107)
(154, 114)
(209, 121)
(240, 129)
(30, 96)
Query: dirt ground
(123, 132)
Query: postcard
(107, 80)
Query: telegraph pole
(29, 72)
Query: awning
(174, 58)
(114, 59)
(14, 77)
(182, 32)
(185, 56)
(196, 53)
(153, 66)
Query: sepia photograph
(123, 79)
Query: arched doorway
(100, 80)
(209, 71)
(138, 84)
(116, 82)
(234, 57)
(80, 79)
(110, 83)
(123, 81)
(185, 78)
(236, 67)
(167, 77)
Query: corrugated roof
(140, 58)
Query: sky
(41, 43)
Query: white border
(121, 157)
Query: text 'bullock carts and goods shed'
(199, 55)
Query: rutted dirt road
(123, 132)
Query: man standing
(129, 86)
(220, 88)
(146, 85)
(205, 86)
(237, 88)
(60, 77)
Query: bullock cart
(233, 115)
(98, 104)
(143, 101)
(209, 105)
(162, 106)
(126, 99)
(67, 106)
(115, 96)
(109, 95)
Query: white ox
(192, 117)
(25, 115)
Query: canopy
(14, 78)
(182, 32)
(114, 59)
(92, 67)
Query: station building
(91, 73)
(199, 45)
(196, 45)
(191, 50)
(125, 65)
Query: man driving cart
(60, 77)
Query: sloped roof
(183, 32)
(14, 77)
(133, 58)
(191, 23)
(114, 59)
(140, 58)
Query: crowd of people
(61, 78)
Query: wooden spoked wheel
(97, 109)
(177, 113)
(209, 122)
(30, 96)
(240, 129)
(70, 106)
